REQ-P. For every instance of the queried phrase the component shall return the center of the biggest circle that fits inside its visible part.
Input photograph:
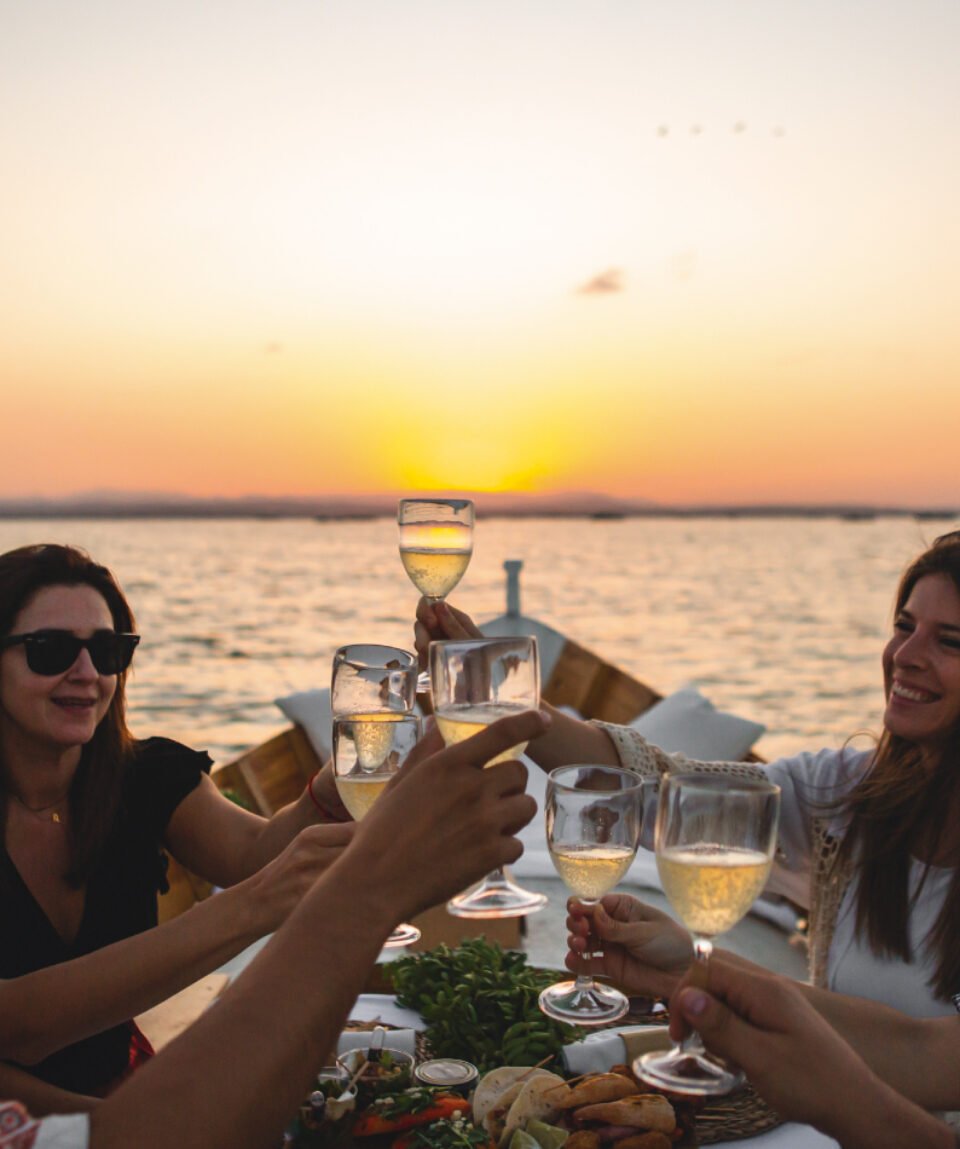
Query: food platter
(737, 1116)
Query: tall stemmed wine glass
(715, 840)
(594, 815)
(436, 542)
(475, 682)
(367, 751)
(373, 686)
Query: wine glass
(594, 815)
(474, 682)
(372, 679)
(715, 840)
(436, 542)
(367, 751)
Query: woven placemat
(737, 1115)
(743, 1113)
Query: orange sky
(691, 253)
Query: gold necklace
(40, 811)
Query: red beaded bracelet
(328, 814)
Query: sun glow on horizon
(316, 249)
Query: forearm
(918, 1057)
(570, 740)
(277, 833)
(314, 968)
(885, 1120)
(39, 1097)
(44, 1011)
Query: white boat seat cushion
(311, 710)
(688, 723)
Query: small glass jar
(448, 1073)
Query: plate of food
(500, 1079)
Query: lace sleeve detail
(649, 761)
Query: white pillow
(689, 724)
(311, 710)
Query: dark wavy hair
(96, 788)
(905, 798)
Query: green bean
(480, 1004)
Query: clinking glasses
(54, 651)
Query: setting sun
(338, 254)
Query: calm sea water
(779, 620)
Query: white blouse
(853, 968)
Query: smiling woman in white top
(869, 841)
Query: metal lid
(449, 1071)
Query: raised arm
(918, 1056)
(235, 1076)
(50, 1008)
(796, 1060)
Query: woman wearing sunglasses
(86, 810)
(869, 840)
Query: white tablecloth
(789, 1136)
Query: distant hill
(142, 504)
(134, 504)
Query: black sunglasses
(54, 651)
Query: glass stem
(585, 973)
(702, 949)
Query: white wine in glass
(715, 840)
(475, 682)
(367, 751)
(436, 542)
(457, 722)
(593, 815)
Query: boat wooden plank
(596, 689)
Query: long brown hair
(96, 788)
(905, 796)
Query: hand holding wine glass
(367, 751)
(473, 683)
(715, 840)
(372, 689)
(594, 815)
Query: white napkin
(599, 1051)
(595, 1054)
(404, 1040)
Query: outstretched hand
(762, 1022)
(444, 821)
(276, 889)
(439, 620)
(644, 950)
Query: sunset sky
(691, 251)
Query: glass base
(591, 1004)
(403, 935)
(496, 897)
(687, 1071)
